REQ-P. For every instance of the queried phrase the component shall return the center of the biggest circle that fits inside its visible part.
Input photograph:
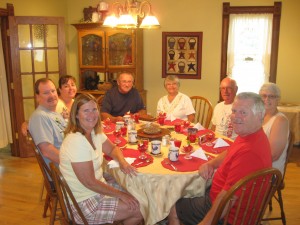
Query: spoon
(147, 161)
(168, 163)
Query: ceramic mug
(119, 124)
(126, 118)
(132, 136)
(155, 147)
(173, 154)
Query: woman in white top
(275, 125)
(81, 157)
(176, 105)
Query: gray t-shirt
(47, 126)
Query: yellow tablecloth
(157, 189)
(292, 112)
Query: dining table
(157, 185)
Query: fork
(168, 163)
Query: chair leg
(46, 205)
(270, 205)
(53, 211)
(42, 191)
(280, 201)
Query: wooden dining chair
(278, 193)
(66, 199)
(51, 197)
(204, 110)
(255, 192)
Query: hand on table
(206, 171)
(128, 169)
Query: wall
(188, 15)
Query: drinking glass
(177, 128)
(210, 136)
(161, 120)
(177, 143)
(136, 117)
(142, 147)
(187, 149)
(124, 130)
(186, 125)
(117, 134)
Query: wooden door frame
(4, 14)
(14, 21)
(227, 10)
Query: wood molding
(227, 10)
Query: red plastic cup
(192, 138)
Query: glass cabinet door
(91, 49)
(120, 49)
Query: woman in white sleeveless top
(275, 125)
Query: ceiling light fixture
(132, 14)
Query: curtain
(249, 50)
(5, 122)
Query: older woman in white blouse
(175, 104)
(275, 125)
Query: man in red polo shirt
(250, 152)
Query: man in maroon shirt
(250, 152)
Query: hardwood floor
(21, 180)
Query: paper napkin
(220, 143)
(114, 164)
(173, 118)
(199, 153)
(198, 126)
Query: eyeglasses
(269, 96)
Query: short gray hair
(271, 87)
(172, 78)
(258, 106)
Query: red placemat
(172, 123)
(133, 153)
(113, 138)
(109, 129)
(184, 165)
(213, 150)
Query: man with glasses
(221, 122)
(121, 99)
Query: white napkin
(198, 126)
(114, 163)
(220, 143)
(199, 153)
(173, 118)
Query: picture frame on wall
(182, 54)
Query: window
(250, 38)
